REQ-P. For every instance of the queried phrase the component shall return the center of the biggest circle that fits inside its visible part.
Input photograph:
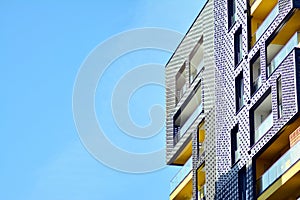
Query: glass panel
(196, 60)
(264, 127)
(279, 97)
(266, 23)
(231, 13)
(278, 168)
(189, 112)
(263, 117)
(181, 174)
(255, 73)
(281, 55)
(239, 91)
(238, 46)
(180, 83)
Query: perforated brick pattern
(226, 116)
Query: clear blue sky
(42, 46)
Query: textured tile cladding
(226, 72)
(203, 27)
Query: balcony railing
(180, 131)
(281, 55)
(202, 193)
(264, 127)
(256, 83)
(266, 23)
(278, 168)
(181, 174)
(195, 73)
(180, 93)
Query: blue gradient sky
(42, 46)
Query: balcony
(187, 114)
(191, 119)
(194, 70)
(266, 23)
(281, 166)
(181, 175)
(284, 52)
(264, 127)
(261, 17)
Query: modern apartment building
(257, 99)
(190, 122)
(233, 100)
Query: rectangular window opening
(255, 75)
(235, 145)
(279, 97)
(239, 91)
(238, 46)
(231, 13)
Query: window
(239, 91)
(242, 183)
(255, 75)
(196, 60)
(180, 83)
(279, 97)
(238, 46)
(261, 117)
(235, 145)
(231, 12)
(188, 113)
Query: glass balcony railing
(281, 55)
(180, 93)
(202, 192)
(256, 83)
(266, 23)
(278, 168)
(191, 119)
(181, 174)
(264, 127)
(195, 70)
(180, 131)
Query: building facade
(190, 96)
(257, 99)
(232, 101)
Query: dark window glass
(235, 145)
(279, 97)
(231, 12)
(239, 91)
(238, 46)
(255, 75)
